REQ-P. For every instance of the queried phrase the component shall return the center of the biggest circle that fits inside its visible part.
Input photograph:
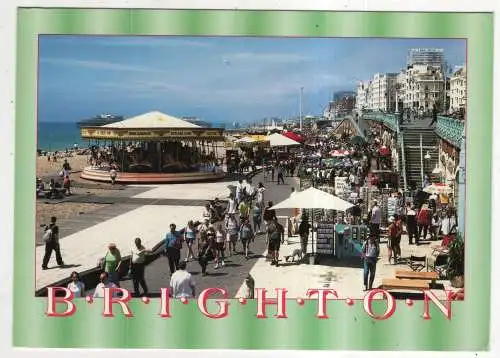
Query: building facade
(362, 93)
(458, 90)
(381, 92)
(425, 87)
(426, 56)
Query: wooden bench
(405, 284)
(412, 275)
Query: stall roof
(278, 140)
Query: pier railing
(389, 120)
(450, 129)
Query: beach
(47, 170)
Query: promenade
(145, 214)
(147, 211)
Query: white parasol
(438, 189)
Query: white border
(7, 95)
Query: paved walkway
(237, 267)
(345, 276)
(82, 249)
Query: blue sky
(217, 79)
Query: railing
(389, 120)
(450, 129)
(403, 159)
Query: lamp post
(427, 158)
(300, 106)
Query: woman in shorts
(219, 244)
(232, 230)
(246, 235)
(190, 237)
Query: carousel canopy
(152, 126)
(152, 120)
(278, 140)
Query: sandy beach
(46, 169)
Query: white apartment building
(381, 92)
(425, 86)
(458, 89)
(362, 92)
(400, 90)
(426, 56)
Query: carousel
(153, 148)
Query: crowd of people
(232, 228)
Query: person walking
(67, 184)
(275, 234)
(189, 238)
(76, 285)
(260, 196)
(257, 218)
(370, 253)
(51, 238)
(244, 210)
(269, 214)
(281, 171)
(137, 266)
(232, 229)
(411, 223)
(208, 252)
(173, 246)
(219, 243)
(112, 264)
(423, 221)
(246, 235)
(375, 220)
(104, 283)
(182, 283)
(112, 175)
(304, 228)
(272, 173)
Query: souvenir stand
(349, 240)
(322, 205)
(324, 238)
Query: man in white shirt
(104, 283)
(232, 206)
(250, 188)
(239, 190)
(182, 283)
(376, 219)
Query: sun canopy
(152, 120)
(278, 140)
(437, 188)
(313, 198)
(245, 140)
(293, 136)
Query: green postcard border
(349, 328)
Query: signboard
(150, 133)
(341, 185)
(305, 184)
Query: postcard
(221, 179)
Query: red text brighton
(220, 297)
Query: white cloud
(280, 58)
(156, 41)
(98, 65)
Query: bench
(412, 275)
(405, 284)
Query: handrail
(421, 161)
(403, 163)
(450, 129)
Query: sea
(59, 136)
